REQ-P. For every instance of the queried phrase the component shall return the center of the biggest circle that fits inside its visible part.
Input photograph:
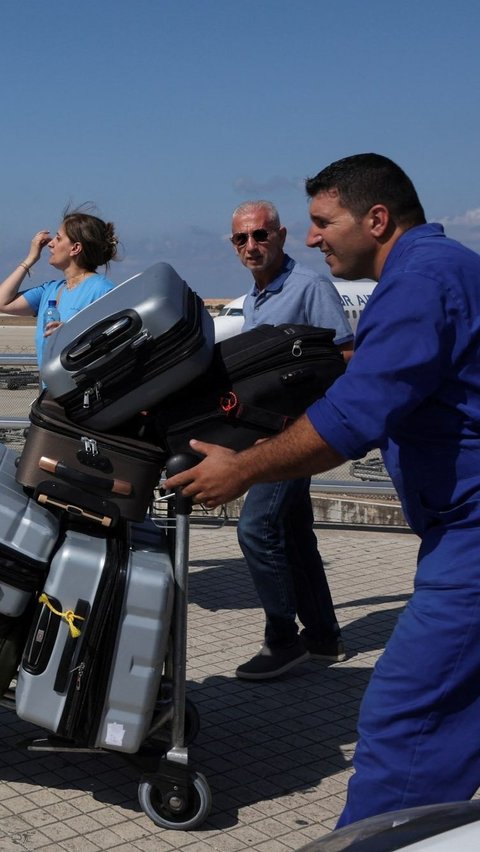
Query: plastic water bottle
(52, 314)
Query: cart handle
(176, 464)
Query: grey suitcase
(129, 349)
(28, 536)
(93, 661)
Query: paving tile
(277, 755)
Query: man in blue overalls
(412, 389)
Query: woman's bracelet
(26, 268)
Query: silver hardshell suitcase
(128, 350)
(93, 661)
(141, 644)
(28, 536)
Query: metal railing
(19, 374)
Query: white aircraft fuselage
(354, 296)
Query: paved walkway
(276, 755)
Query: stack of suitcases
(89, 585)
(93, 594)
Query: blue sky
(169, 113)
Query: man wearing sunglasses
(275, 529)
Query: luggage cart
(170, 792)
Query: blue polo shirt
(297, 295)
(413, 386)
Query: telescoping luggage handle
(120, 331)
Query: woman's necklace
(75, 280)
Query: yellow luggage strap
(68, 615)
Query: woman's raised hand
(39, 241)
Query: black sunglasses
(260, 235)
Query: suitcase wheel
(169, 807)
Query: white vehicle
(354, 296)
(229, 321)
(432, 828)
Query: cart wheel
(171, 810)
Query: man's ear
(282, 234)
(379, 220)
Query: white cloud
(469, 219)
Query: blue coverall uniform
(413, 389)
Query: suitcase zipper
(298, 350)
(306, 345)
(114, 388)
(89, 682)
(89, 392)
(98, 441)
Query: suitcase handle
(106, 334)
(118, 332)
(77, 502)
(45, 500)
(262, 418)
(78, 477)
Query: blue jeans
(275, 533)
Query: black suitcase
(257, 384)
(100, 476)
(129, 349)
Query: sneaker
(271, 662)
(332, 650)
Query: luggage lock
(90, 455)
(89, 392)
(89, 445)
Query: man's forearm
(224, 475)
(298, 451)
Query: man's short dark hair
(367, 179)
